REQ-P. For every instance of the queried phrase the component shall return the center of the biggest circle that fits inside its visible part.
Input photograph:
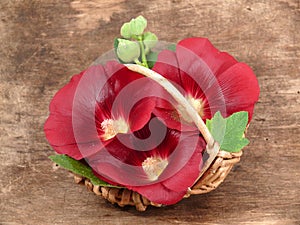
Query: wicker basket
(214, 171)
(209, 181)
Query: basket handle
(212, 147)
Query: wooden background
(44, 42)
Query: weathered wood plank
(44, 42)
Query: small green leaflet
(116, 43)
(228, 132)
(172, 47)
(78, 168)
(151, 58)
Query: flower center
(113, 127)
(154, 166)
(198, 106)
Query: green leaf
(79, 168)
(151, 58)
(229, 132)
(172, 47)
(116, 43)
(149, 40)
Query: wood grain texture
(44, 42)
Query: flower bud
(149, 40)
(127, 50)
(138, 25)
(126, 31)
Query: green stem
(138, 62)
(144, 59)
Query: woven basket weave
(214, 171)
(209, 181)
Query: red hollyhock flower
(209, 79)
(104, 116)
(93, 97)
(161, 170)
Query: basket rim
(210, 180)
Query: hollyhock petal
(160, 194)
(58, 127)
(173, 119)
(104, 178)
(157, 192)
(114, 164)
(199, 80)
(167, 66)
(240, 89)
(122, 96)
(152, 135)
(138, 118)
(187, 175)
(84, 108)
(170, 117)
(110, 172)
(217, 61)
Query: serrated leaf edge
(210, 126)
